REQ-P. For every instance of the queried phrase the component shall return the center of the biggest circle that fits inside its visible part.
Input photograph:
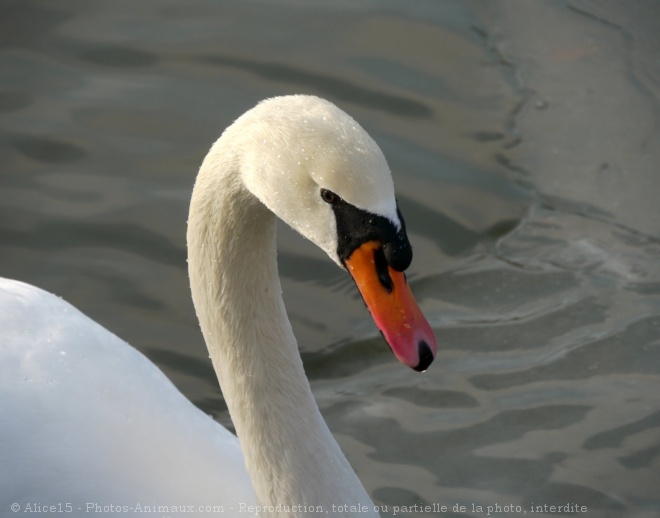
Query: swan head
(316, 168)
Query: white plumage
(85, 418)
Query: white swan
(86, 420)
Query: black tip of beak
(425, 356)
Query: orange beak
(392, 306)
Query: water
(523, 138)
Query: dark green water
(524, 143)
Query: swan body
(89, 419)
(85, 418)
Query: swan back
(86, 418)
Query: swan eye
(329, 196)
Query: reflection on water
(538, 271)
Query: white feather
(87, 419)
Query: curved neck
(290, 453)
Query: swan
(88, 424)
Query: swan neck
(289, 451)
